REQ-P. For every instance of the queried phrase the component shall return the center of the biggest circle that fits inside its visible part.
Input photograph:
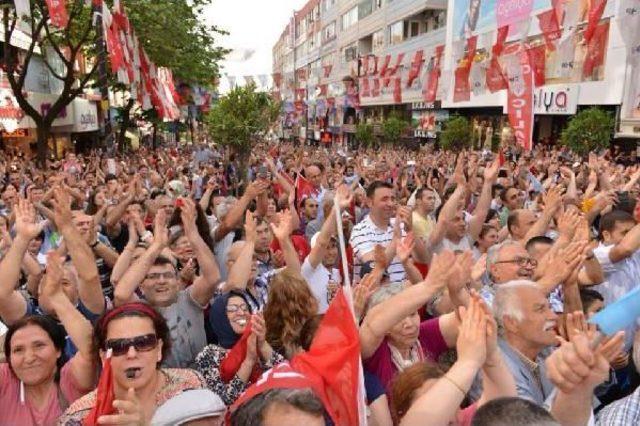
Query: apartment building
(340, 50)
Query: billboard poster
(474, 16)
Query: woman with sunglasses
(35, 384)
(236, 361)
(135, 339)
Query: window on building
(377, 4)
(350, 53)
(377, 41)
(396, 32)
(440, 19)
(329, 31)
(350, 18)
(412, 29)
(364, 9)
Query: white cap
(187, 406)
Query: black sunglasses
(120, 347)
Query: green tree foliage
(393, 128)
(588, 130)
(456, 134)
(364, 134)
(242, 116)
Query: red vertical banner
(472, 42)
(495, 77)
(537, 59)
(416, 67)
(364, 62)
(462, 89)
(596, 49)
(397, 90)
(58, 13)
(385, 65)
(375, 92)
(520, 98)
(327, 70)
(430, 87)
(548, 23)
(595, 13)
(364, 87)
(375, 65)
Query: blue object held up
(618, 315)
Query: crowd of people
(159, 288)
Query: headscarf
(219, 321)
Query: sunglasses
(143, 343)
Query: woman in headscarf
(242, 353)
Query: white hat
(187, 406)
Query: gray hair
(507, 301)
(494, 252)
(384, 293)
(512, 411)
(252, 412)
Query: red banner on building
(462, 89)
(495, 77)
(327, 70)
(58, 13)
(520, 98)
(537, 59)
(385, 65)
(375, 92)
(364, 87)
(548, 23)
(397, 90)
(596, 49)
(430, 87)
(364, 62)
(416, 67)
(595, 13)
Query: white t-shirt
(620, 278)
(318, 280)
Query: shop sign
(85, 116)
(18, 133)
(555, 100)
(425, 105)
(427, 123)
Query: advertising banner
(520, 96)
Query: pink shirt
(12, 412)
(431, 340)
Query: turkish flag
(385, 65)
(397, 65)
(416, 67)
(595, 13)
(304, 189)
(595, 49)
(234, 358)
(537, 59)
(375, 65)
(58, 13)
(462, 89)
(472, 42)
(430, 87)
(104, 395)
(501, 37)
(548, 23)
(495, 77)
(331, 367)
(397, 90)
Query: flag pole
(362, 406)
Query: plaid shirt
(623, 412)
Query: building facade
(358, 60)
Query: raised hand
(472, 335)
(160, 231)
(405, 215)
(51, 285)
(284, 228)
(553, 199)
(404, 247)
(441, 268)
(380, 258)
(362, 292)
(568, 223)
(344, 196)
(130, 412)
(256, 188)
(479, 268)
(25, 224)
(188, 215)
(250, 225)
(491, 172)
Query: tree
(393, 128)
(457, 134)
(65, 45)
(240, 117)
(364, 134)
(588, 130)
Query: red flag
(375, 65)
(471, 49)
(430, 87)
(364, 61)
(234, 358)
(364, 87)
(385, 65)
(304, 188)
(397, 65)
(397, 91)
(548, 23)
(58, 13)
(520, 98)
(495, 77)
(416, 67)
(327, 70)
(502, 34)
(462, 89)
(595, 13)
(330, 367)
(501, 159)
(375, 92)
(537, 59)
(595, 49)
(104, 395)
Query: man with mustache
(526, 326)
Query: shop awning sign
(555, 100)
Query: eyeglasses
(521, 261)
(232, 309)
(143, 343)
(157, 275)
